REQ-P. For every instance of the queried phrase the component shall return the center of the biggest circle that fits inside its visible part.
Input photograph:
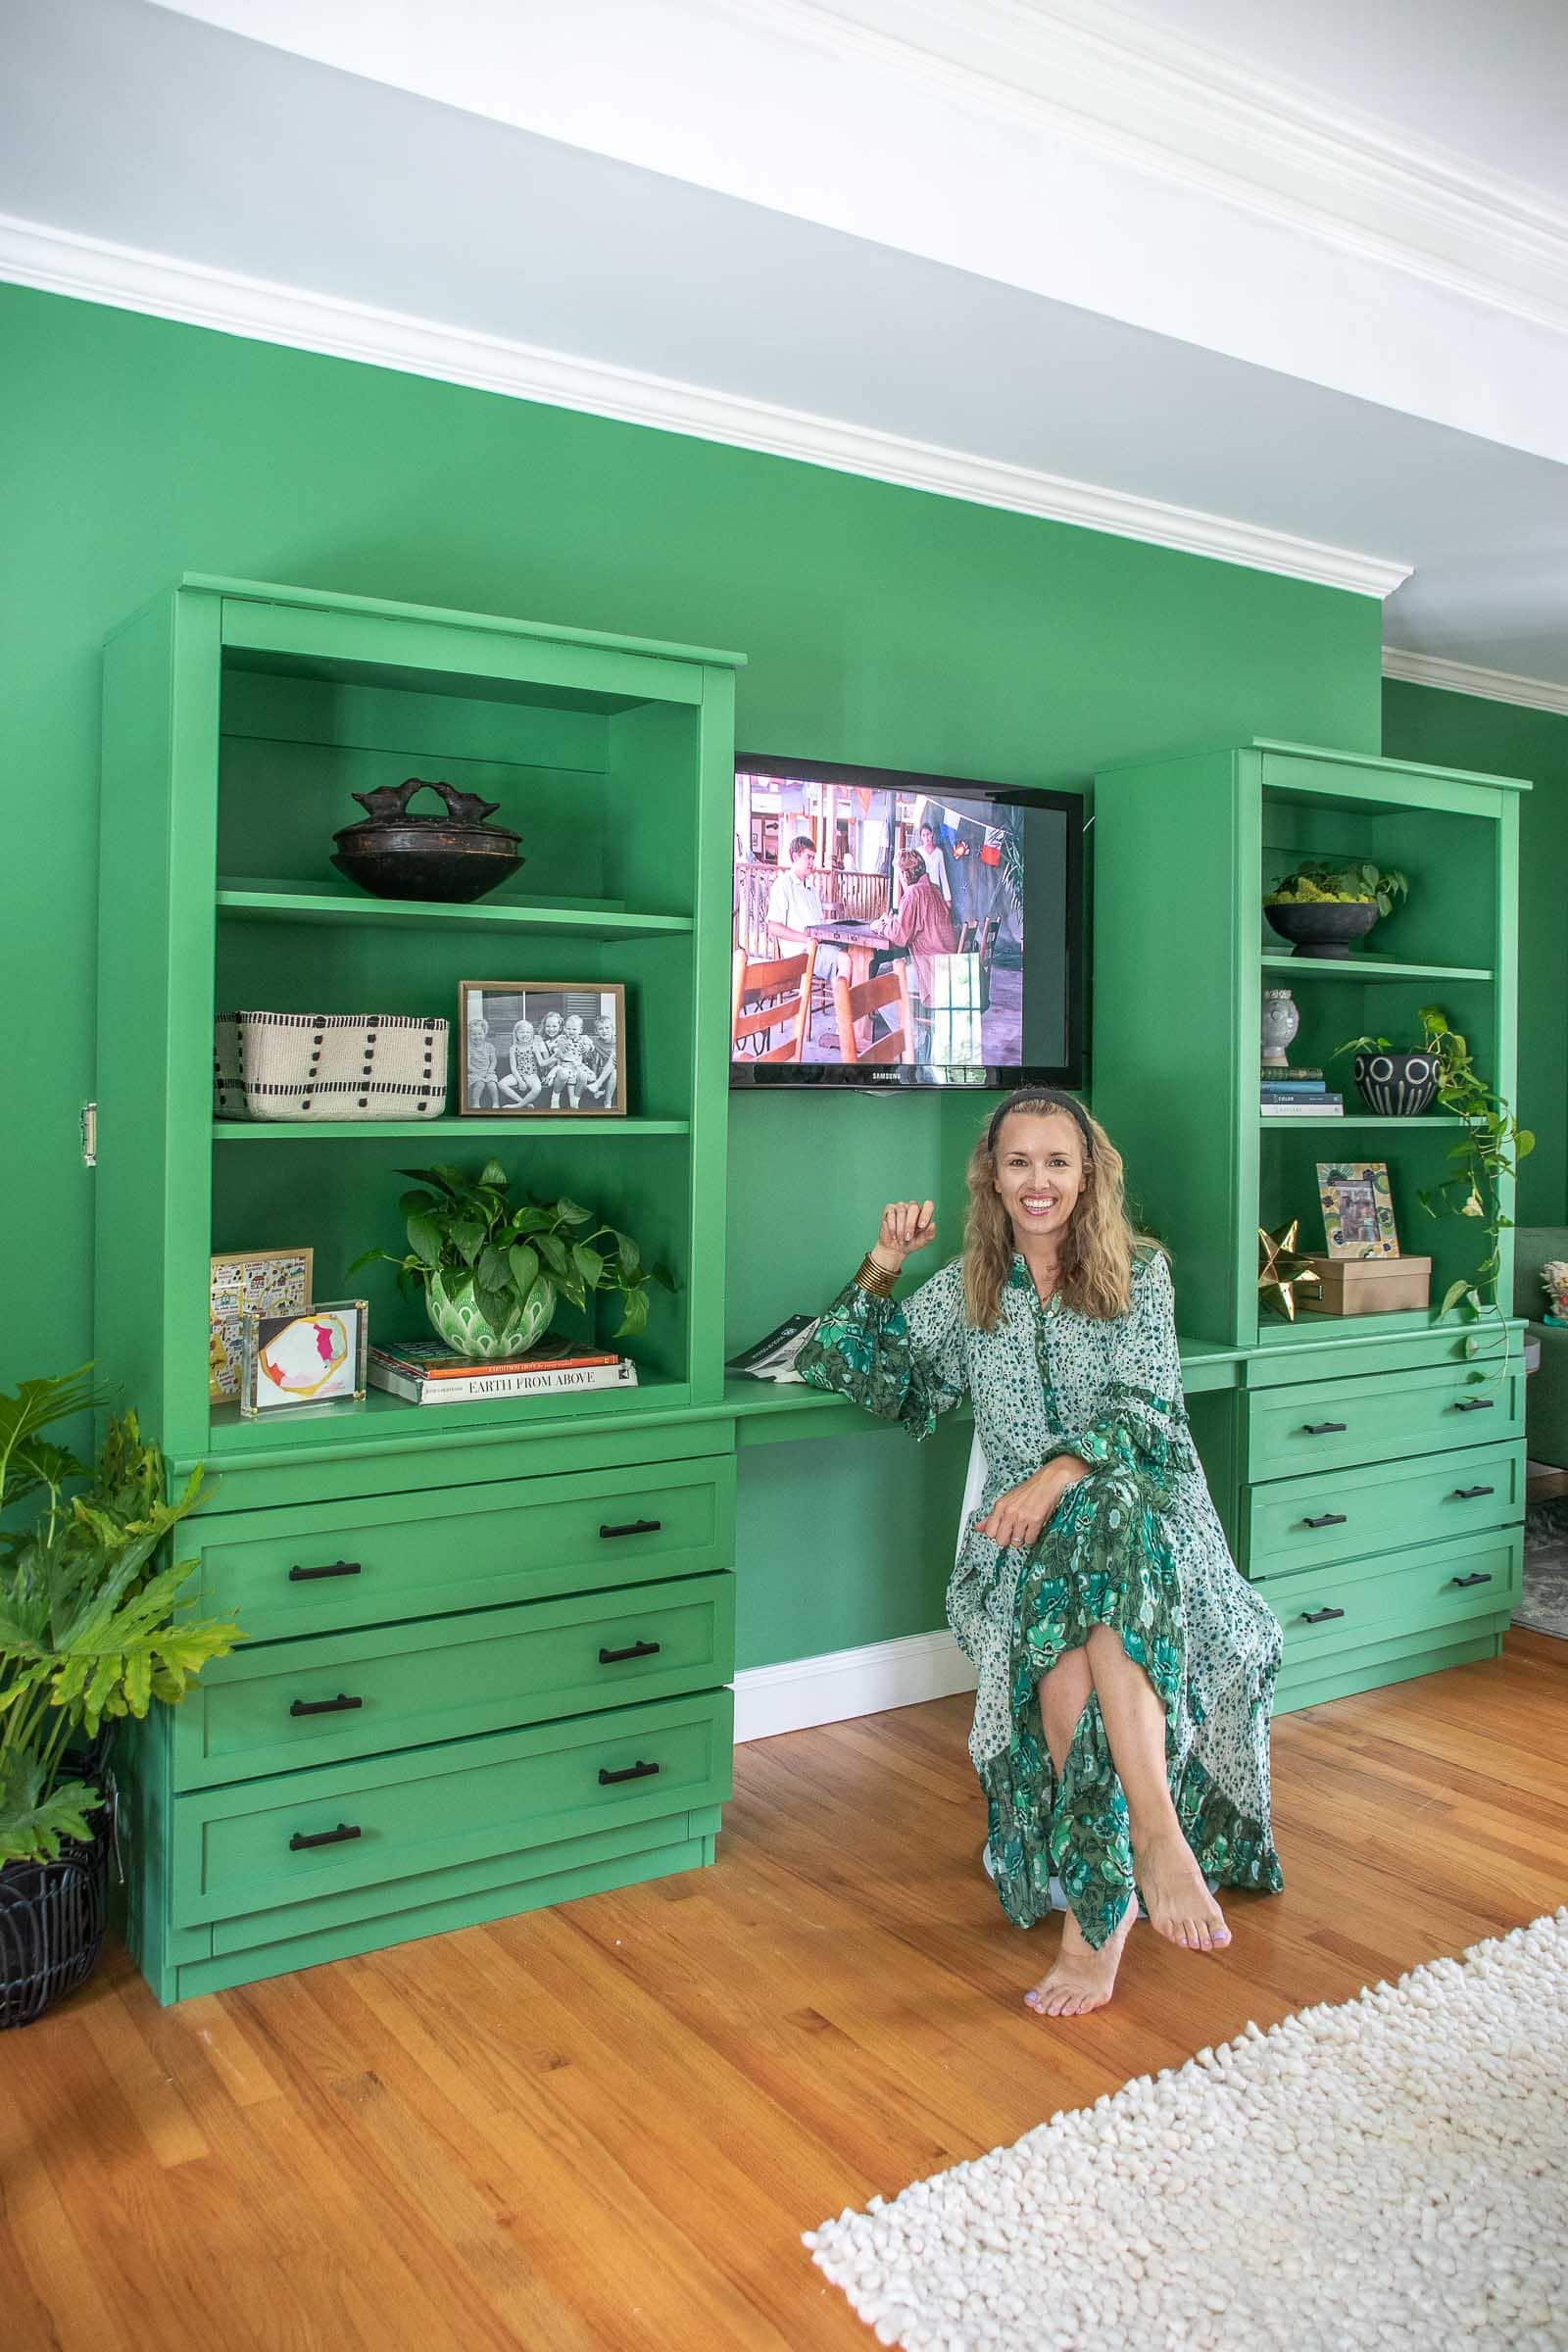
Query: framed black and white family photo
(542, 1049)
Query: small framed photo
(274, 1282)
(542, 1050)
(1358, 1209)
(301, 1361)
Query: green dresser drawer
(330, 1566)
(282, 1705)
(1296, 1524)
(268, 1843)
(1331, 1424)
(1416, 1592)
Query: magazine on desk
(773, 1356)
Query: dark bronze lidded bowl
(454, 858)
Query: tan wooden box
(1366, 1286)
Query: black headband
(1037, 1098)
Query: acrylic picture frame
(273, 1282)
(541, 1048)
(306, 1363)
(1358, 1209)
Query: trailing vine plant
(1486, 1157)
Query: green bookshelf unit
(1374, 1578)
(529, 1603)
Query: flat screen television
(938, 921)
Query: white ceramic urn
(1280, 1021)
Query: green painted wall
(882, 624)
(1466, 730)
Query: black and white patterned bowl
(1397, 1085)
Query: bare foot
(1180, 1905)
(1082, 1978)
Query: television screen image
(904, 929)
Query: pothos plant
(87, 1629)
(468, 1238)
(1487, 1156)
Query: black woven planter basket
(52, 1922)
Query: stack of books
(1291, 1092)
(424, 1372)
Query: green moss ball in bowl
(1321, 927)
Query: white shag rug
(1389, 2172)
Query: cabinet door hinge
(89, 1135)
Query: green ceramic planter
(456, 1317)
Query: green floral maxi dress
(1135, 1545)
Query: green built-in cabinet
(1378, 1489)
(489, 1646)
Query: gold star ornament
(1282, 1270)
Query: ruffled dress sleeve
(1140, 1427)
(904, 1363)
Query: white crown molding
(846, 1682)
(94, 270)
(1465, 677)
(1115, 82)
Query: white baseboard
(843, 1683)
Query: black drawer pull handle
(1319, 1616)
(337, 1837)
(1324, 1429)
(634, 1527)
(1469, 1494)
(638, 1650)
(1474, 1405)
(325, 1706)
(1329, 1519)
(307, 1576)
(633, 1771)
(1481, 1575)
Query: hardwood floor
(602, 2129)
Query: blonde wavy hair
(1096, 1252)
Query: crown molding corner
(1099, 74)
(1467, 677)
(95, 270)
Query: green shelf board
(1354, 1118)
(1312, 1331)
(382, 1420)
(1367, 967)
(378, 608)
(303, 903)
(262, 1131)
(791, 1408)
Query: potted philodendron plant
(1486, 1154)
(87, 1636)
(1321, 907)
(493, 1269)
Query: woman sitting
(1126, 1669)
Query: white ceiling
(1425, 423)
